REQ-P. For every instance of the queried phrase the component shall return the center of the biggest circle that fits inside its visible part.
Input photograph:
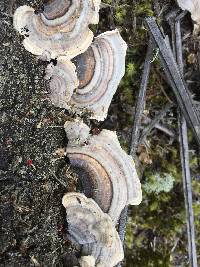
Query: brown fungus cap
(106, 172)
(94, 230)
(99, 71)
(62, 29)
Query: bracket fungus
(99, 72)
(61, 29)
(77, 132)
(62, 81)
(106, 172)
(94, 230)
(87, 261)
(193, 6)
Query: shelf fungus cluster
(61, 29)
(82, 77)
(93, 230)
(193, 6)
(107, 173)
(99, 71)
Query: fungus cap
(90, 227)
(61, 29)
(106, 172)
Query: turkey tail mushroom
(94, 230)
(99, 71)
(62, 81)
(106, 172)
(193, 6)
(61, 29)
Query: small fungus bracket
(93, 230)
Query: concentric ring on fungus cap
(94, 230)
(99, 71)
(106, 172)
(61, 80)
(61, 30)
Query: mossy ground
(33, 178)
(156, 232)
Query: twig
(122, 227)
(136, 130)
(187, 190)
(165, 130)
(153, 123)
(58, 180)
(175, 244)
(176, 81)
(165, 94)
(160, 127)
(184, 151)
(175, 78)
(141, 101)
(112, 14)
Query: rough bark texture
(30, 191)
